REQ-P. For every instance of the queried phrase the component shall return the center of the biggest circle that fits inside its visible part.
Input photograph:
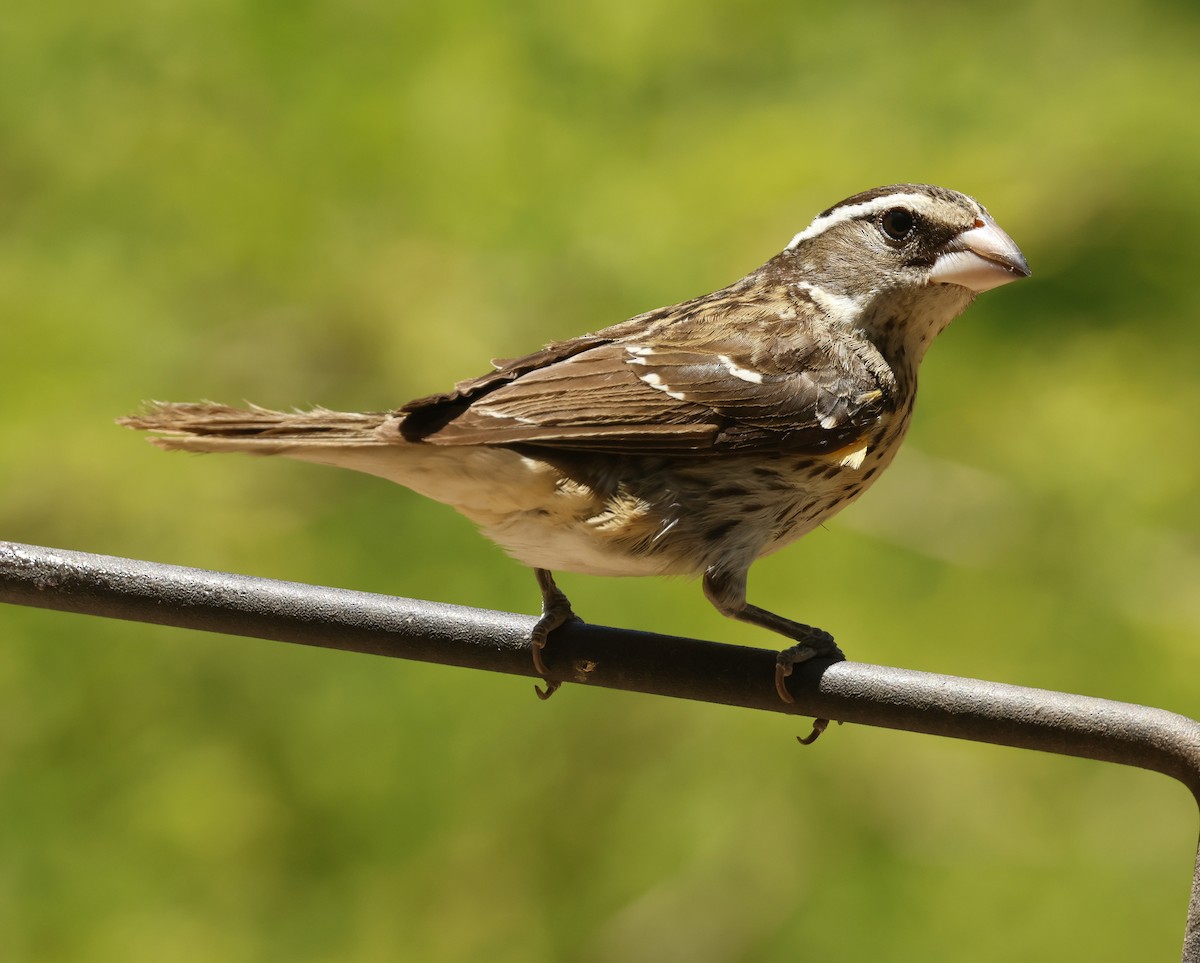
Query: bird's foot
(556, 612)
(818, 644)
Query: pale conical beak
(981, 258)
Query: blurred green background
(356, 203)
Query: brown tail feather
(204, 426)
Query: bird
(689, 440)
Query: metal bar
(973, 709)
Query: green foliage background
(356, 203)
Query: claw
(782, 671)
(788, 659)
(556, 611)
(537, 642)
(819, 648)
(819, 726)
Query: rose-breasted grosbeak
(690, 440)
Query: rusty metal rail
(973, 709)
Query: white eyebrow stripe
(842, 214)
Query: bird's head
(910, 251)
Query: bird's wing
(731, 377)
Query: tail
(208, 427)
(488, 485)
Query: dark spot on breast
(727, 491)
(794, 513)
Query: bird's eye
(897, 223)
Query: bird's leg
(556, 611)
(727, 592)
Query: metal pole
(973, 709)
